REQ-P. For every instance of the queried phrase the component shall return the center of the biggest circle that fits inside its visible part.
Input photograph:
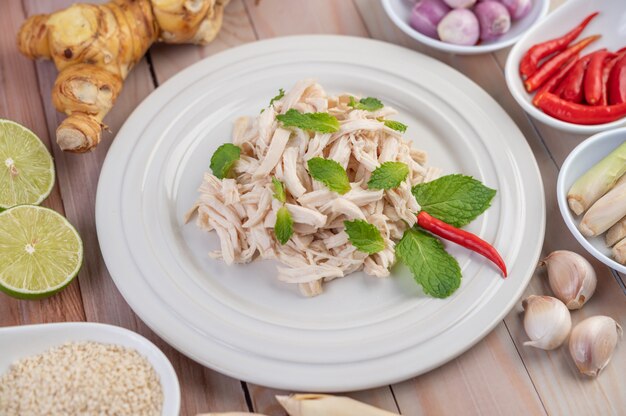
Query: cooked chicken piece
(274, 153)
(342, 206)
(307, 274)
(240, 128)
(290, 173)
(304, 215)
(242, 210)
(292, 97)
(311, 289)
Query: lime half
(26, 167)
(40, 252)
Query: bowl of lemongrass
(591, 192)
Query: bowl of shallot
(466, 27)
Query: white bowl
(610, 23)
(19, 342)
(580, 160)
(400, 10)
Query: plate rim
(280, 44)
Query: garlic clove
(547, 322)
(571, 277)
(592, 343)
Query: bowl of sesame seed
(84, 368)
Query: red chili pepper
(580, 113)
(616, 84)
(606, 72)
(552, 84)
(461, 237)
(530, 61)
(550, 68)
(593, 84)
(571, 89)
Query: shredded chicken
(242, 211)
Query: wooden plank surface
(497, 376)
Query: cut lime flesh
(40, 252)
(26, 167)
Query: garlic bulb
(572, 278)
(547, 322)
(592, 343)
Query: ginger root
(94, 47)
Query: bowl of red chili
(569, 71)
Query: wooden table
(497, 376)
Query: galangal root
(95, 46)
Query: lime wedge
(40, 252)
(26, 168)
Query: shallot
(426, 15)
(518, 8)
(460, 27)
(493, 18)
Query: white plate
(399, 12)
(579, 161)
(610, 23)
(19, 342)
(362, 331)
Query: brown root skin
(32, 39)
(94, 46)
(79, 133)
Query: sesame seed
(82, 378)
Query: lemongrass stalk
(605, 212)
(616, 233)
(325, 405)
(619, 251)
(597, 181)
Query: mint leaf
(223, 159)
(364, 236)
(455, 199)
(279, 190)
(433, 268)
(395, 125)
(322, 122)
(281, 94)
(283, 229)
(367, 104)
(389, 175)
(330, 173)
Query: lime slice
(40, 252)
(26, 168)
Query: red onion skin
(518, 8)
(493, 18)
(426, 15)
(459, 27)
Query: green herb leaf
(322, 122)
(281, 94)
(330, 173)
(283, 229)
(279, 190)
(395, 125)
(223, 159)
(433, 268)
(389, 175)
(455, 199)
(367, 104)
(364, 236)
